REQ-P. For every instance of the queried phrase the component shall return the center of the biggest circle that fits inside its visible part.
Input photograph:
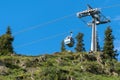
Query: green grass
(60, 66)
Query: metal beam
(96, 17)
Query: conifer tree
(63, 46)
(6, 40)
(108, 48)
(8, 30)
(80, 44)
(98, 45)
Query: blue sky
(39, 26)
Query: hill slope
(59, 66)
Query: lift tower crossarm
(89, 12)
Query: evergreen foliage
(6, 40)
(108, 48)
(63, 66)
(98, 45)
(63, 46)
(80, 44)
(8, 30)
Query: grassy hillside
(59, 66)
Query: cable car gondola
(69, 41)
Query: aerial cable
(116, 5)
(52, 21)
(43, 24)
(36, 41)
(42, 39)
(55, 20)
(49, 22)
(85, 22)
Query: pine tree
(10, 40)
(63, 46)
(108, 48)
(6, 40)
(98, 46)
(80, 44)
(8, 30)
